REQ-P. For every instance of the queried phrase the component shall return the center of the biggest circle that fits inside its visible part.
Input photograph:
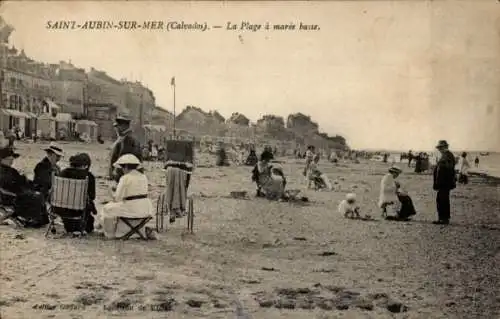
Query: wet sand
(265, 260)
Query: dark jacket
(129, 145)
(444, 172)
(12, 181)
(44, 171)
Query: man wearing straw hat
(47, 168)
(126, 143)
(444, 179)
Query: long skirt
(115, 228)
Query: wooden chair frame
(68, 193)
(160, 214)
(134, 229)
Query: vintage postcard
(250, 159)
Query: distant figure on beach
(319, 179)
(125, 143)
(476, 162)
(463, 169)
(309, 159)
(444, 181)
(410, 157)
(348, 206)
(270, 179)
(252, 158)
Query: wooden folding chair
(142, 221)
(8, 211)
(68, 195)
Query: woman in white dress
(388, 190)
(130, 199)
(393, 195)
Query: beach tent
(46, 126)
(65, 124)
(86, 127)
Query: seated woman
(130, 199)
(28, 204)
(80, 169)
(319, 179)
(392, 195)
(270, 180)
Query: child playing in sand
(348, 207)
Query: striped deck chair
(68, 200)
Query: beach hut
(87, 128)
(46, 126)
(65, 125)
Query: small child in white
(348, 207)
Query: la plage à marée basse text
(124, 25)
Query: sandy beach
(264, 260)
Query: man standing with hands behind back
(444, 182)
(126, 143)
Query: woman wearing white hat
(130, 199)
(392, 195)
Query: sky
(390, 75)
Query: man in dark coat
(47, 168)
(27, 203)
(444, 182)
(126, 143)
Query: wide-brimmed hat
(56, 149)
(127, 159)
(442, 144)
(8, 152)
(395, 169)
(350, 196)
(121, 119)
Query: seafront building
(59, 100)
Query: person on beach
(476, 162)
(125, 143)
(80, 169)
(348, 207)
(270, 179)
(444, 181)
(319, 179)
(388, 191)
(309, 156)
(47, 168)
(393, 195)
(463, 169)
(27, 202)
(130, 199)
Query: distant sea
(488, 164)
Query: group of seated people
(30, 198)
